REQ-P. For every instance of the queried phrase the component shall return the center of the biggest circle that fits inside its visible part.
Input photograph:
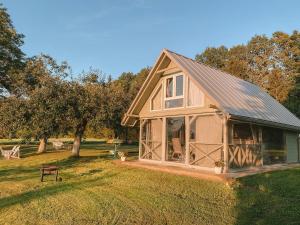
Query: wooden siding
(206, 147)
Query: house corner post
(140, 138)
(225, 143)
(187, 140)
(164, 138)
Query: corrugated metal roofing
(236, 96)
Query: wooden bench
(49, 170)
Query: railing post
(140, 142)
(187, 140)
(225, 142)
(164, 139)
(261, 146)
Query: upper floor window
(174, 87)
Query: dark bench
(49, 170)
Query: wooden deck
(204, 174)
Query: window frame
(174, 97)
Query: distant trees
(271, 63)
(121, 93)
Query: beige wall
(208, 137)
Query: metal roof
(234, 95)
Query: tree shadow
(52, 190)
(269, 198)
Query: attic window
(174, 91)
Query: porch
(202, 140)
(205, 174)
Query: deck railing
(244, 155)
(151, 149)
(205, 154)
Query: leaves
(271, 63)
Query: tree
(85, 101)
(14, 116)
(121, 93)
(37, 105)
(11, 56)
(271, 63)
(215, 57)
(45, 90)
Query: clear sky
(118, 36)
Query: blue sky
(126, 35)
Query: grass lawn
(96, 191)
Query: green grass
(94, 190)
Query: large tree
(85, 101)
(39, 108)
(11, 55)
(46, 91)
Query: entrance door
(175, 139)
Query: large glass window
(175, 139)
(179, 85)
(244, 133)
(174, 87)
(273, 146)
(169, 87)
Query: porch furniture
(13, 153)
(49, 170)
(57, 145)
(178, 150)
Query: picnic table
(49, 170)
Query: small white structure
(58, 145)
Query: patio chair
(178, 150)
(57, 145)
(13, 153)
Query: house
(194, 116)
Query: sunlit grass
(95, 190)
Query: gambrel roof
(232, 95)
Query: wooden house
(192, 115)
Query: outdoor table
(49, 170)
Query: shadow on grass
(18, 174)
(269, 198)
(51, 190)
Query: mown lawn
(94, 190)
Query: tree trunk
(77, 140)
(76, 146)
(43, 145)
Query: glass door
(175, 139)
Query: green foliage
(11, 56)
(121, 93)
